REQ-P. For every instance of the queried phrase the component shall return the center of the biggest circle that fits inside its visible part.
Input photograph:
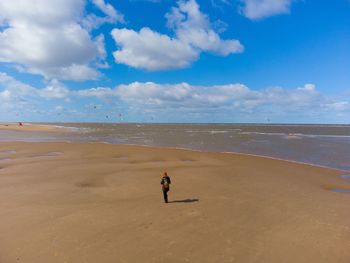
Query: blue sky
(279, 61)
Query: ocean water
(325, 145)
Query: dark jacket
(165, 179)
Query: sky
(186, 61)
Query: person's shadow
(185, 201)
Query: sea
(321, 145)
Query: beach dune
(70, 202)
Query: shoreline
(51, 128)
(188, 149)
(234, 153)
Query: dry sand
(62, 202)
(31, 127)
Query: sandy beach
(70, 202)
(244, 104)
(30, 127)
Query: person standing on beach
(165, 182)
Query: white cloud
(46, 38)
(72, 72)
(14, 90)
(178, 101)
(258, 9)
(151, 50)
(14, 95)
(5, 95)
(151, 96)
(40, 12)
(109, 10)
(193, 27)
(99, 92)
(55, 90)
(234, 96)
(308, 87)
(339, 106)
(92, 21)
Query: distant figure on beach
(165, 182)
(20, 124)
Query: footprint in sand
(92, 183)
(85, 184)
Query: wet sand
(66, 202)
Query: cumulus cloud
(232, 96)
(99, 92)
(92, 21)
(179, 95)
(17, 97)
(55, 90)
(150, 50)
(258, 9)
(338, 106)
(193, 34)
(154, 97)
(180, 100)
(73, 72)
(14, 90)
(47, 38)
(109, 10)
(193, 27)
